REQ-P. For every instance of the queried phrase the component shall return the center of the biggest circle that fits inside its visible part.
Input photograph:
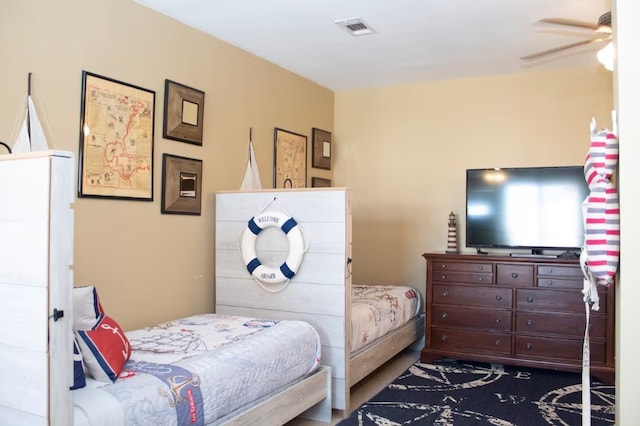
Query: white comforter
(196, 370)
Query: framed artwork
(321, 158)
(183, 113)
(181, 185)
(317, 182)
(290, 159)
(116, 139)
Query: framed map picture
(290, 159)
(116, 139)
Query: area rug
(449, 392)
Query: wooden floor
(371, 385)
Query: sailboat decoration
(31, 136)
(251, 178)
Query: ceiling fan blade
(561, 48)
(570, 23)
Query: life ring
(288, 225)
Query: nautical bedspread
(376, 310)
(195, 370)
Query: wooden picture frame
(115, 157)
(183, 113)
(321, 155)
(290, 159)
(318, 182)
(181, 185)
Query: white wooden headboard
(321, 290)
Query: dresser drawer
(461, 277)
(483, 268)
(558, 348)
(457, 316)
(554, 282)
(567, 325)
(559, 271)
(556, 301)
(470, 341)
(514, 275)
(469, 295)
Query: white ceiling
(414, 40)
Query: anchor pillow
(105, 349)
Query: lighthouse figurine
(452, 237)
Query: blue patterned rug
(448, 392)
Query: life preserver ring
(288, 225)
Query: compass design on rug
(443, 377)
(558, 405)
(421, 414)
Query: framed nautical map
(290, 159)
(116, 139)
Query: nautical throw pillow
(86, 307)
(79, 380)
(105, 349)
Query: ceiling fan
(602, 28)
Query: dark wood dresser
(525, 311)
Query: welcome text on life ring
(288, 225)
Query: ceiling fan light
(606, 56)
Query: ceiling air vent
(354, 26)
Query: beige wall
(148, 266)
(403, 151)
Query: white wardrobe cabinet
(36, 282)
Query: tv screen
(530, 208)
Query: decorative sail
(31, 136)
(251, 178)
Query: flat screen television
(533, 208)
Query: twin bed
(270, 352)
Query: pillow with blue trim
(105, 349)
(79, 380)
(86, 307)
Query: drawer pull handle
(514, 274)
(590, 326)
(443, 266)
(445, 315)
(481, 267)
(443, 277)
(530, 299)
(498, 342)
(445, 293)
(480, 279)
(550, 270)
(498, 297)
(529, 346)
(529, 323)
(444, 338)
(498, 320)
(550, 283)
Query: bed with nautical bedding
(200, 370)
